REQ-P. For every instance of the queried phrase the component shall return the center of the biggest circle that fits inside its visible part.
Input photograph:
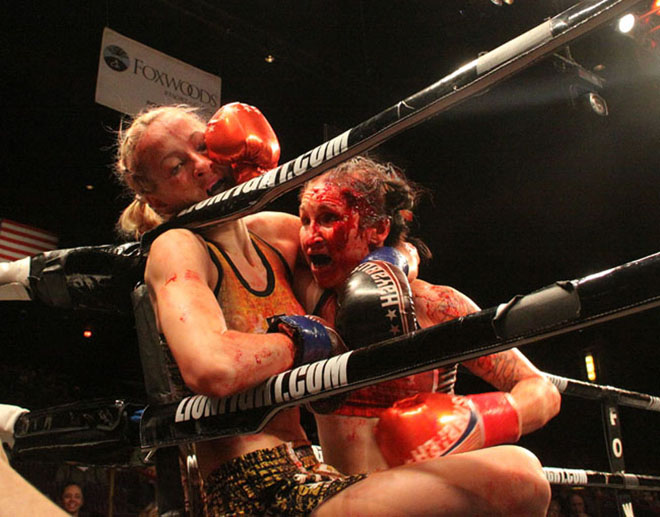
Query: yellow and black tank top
(245, 309)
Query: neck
(234, 239)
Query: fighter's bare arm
(536, 398)
(20, 499)
(213, 360)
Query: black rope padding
(593, 478)
(473, 78)
(593, 391)
(560, 308)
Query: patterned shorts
(284, 481)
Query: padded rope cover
(94, 278)
(470, 79)
(94, 432)
(154, 363)
(557, 309)
(170, 492)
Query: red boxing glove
(430, 425)
(238, 135)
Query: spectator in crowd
(577, 506)
(72, 499)
(554, 509)
(646, 504)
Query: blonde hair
(139, 217)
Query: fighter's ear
(155, 203)
(379, 233)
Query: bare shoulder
(173, 250)
(175, 243)
(271, 224)
(438, 303)
(278, 229)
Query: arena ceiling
(529, 185)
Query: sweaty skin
(173, 150)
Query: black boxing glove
(374, 304)
(376, 301)
(313, 338)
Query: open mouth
(219, 186)
(319, 260)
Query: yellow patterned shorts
(284, 481)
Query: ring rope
(593, 478)
(593, 391)
(556, 309)
(467, 81)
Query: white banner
(133, 76)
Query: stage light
(626, 23)
(582, 84)
(597, 104)
(270, 58)
(590, 366)
(642, 26)
(87, 333)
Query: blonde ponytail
(136, 219)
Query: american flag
(18, 240)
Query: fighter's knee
(529, 484)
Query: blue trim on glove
(310, 337)
(389, 255)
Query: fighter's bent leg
(505, 480)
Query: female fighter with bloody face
(212, 293)
(346, 214)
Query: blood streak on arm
(436, 304)
(191, 275)
(502, 370)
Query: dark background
(528, 186)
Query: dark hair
(379, 191)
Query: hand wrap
(8, 417)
